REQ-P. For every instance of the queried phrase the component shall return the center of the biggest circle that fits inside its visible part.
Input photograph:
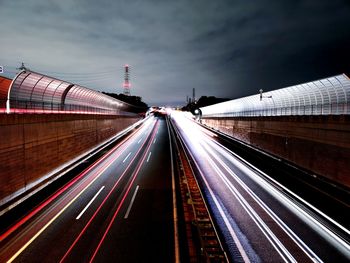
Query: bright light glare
(168, 110)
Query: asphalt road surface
(257, 217)
(120, 209)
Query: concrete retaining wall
(33, 145)
(320, 144)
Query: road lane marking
(149, 155)
(87, 206)
(126, 157)
(124, 144)
(124, 197)
(131, 202)
(139, 141)
(55, 217)
(101, 205)
(155, 140)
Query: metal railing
(323, 109)
(329, 96)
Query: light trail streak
(275, 242)
(195, 137)
(305, 216)
(116, 149)
(197, 140)
(223, 215)
(271, 237)
(101, 205)
(283, 195)
(277, 220)
(124, 144)
(125, 195)
(54, 218)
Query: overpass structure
(307, 125)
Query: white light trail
(196, 140)
(281, 224)
(275, 242)
(293, 206)
(226, 220)
(277, 192)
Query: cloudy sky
(221, 48)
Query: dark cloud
(222, 48)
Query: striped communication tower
(126, 84)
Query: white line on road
(87, 206)
(126, 157)
(155, 140)
(139, 141)
(149, 155)
(131, 202)
(57, 215)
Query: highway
(120, 209)
(259, 219)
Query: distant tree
(206, 101)
(203, 102)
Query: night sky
(221, 48)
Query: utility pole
(193, 95)
(126, 84)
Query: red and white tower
(126, 84)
